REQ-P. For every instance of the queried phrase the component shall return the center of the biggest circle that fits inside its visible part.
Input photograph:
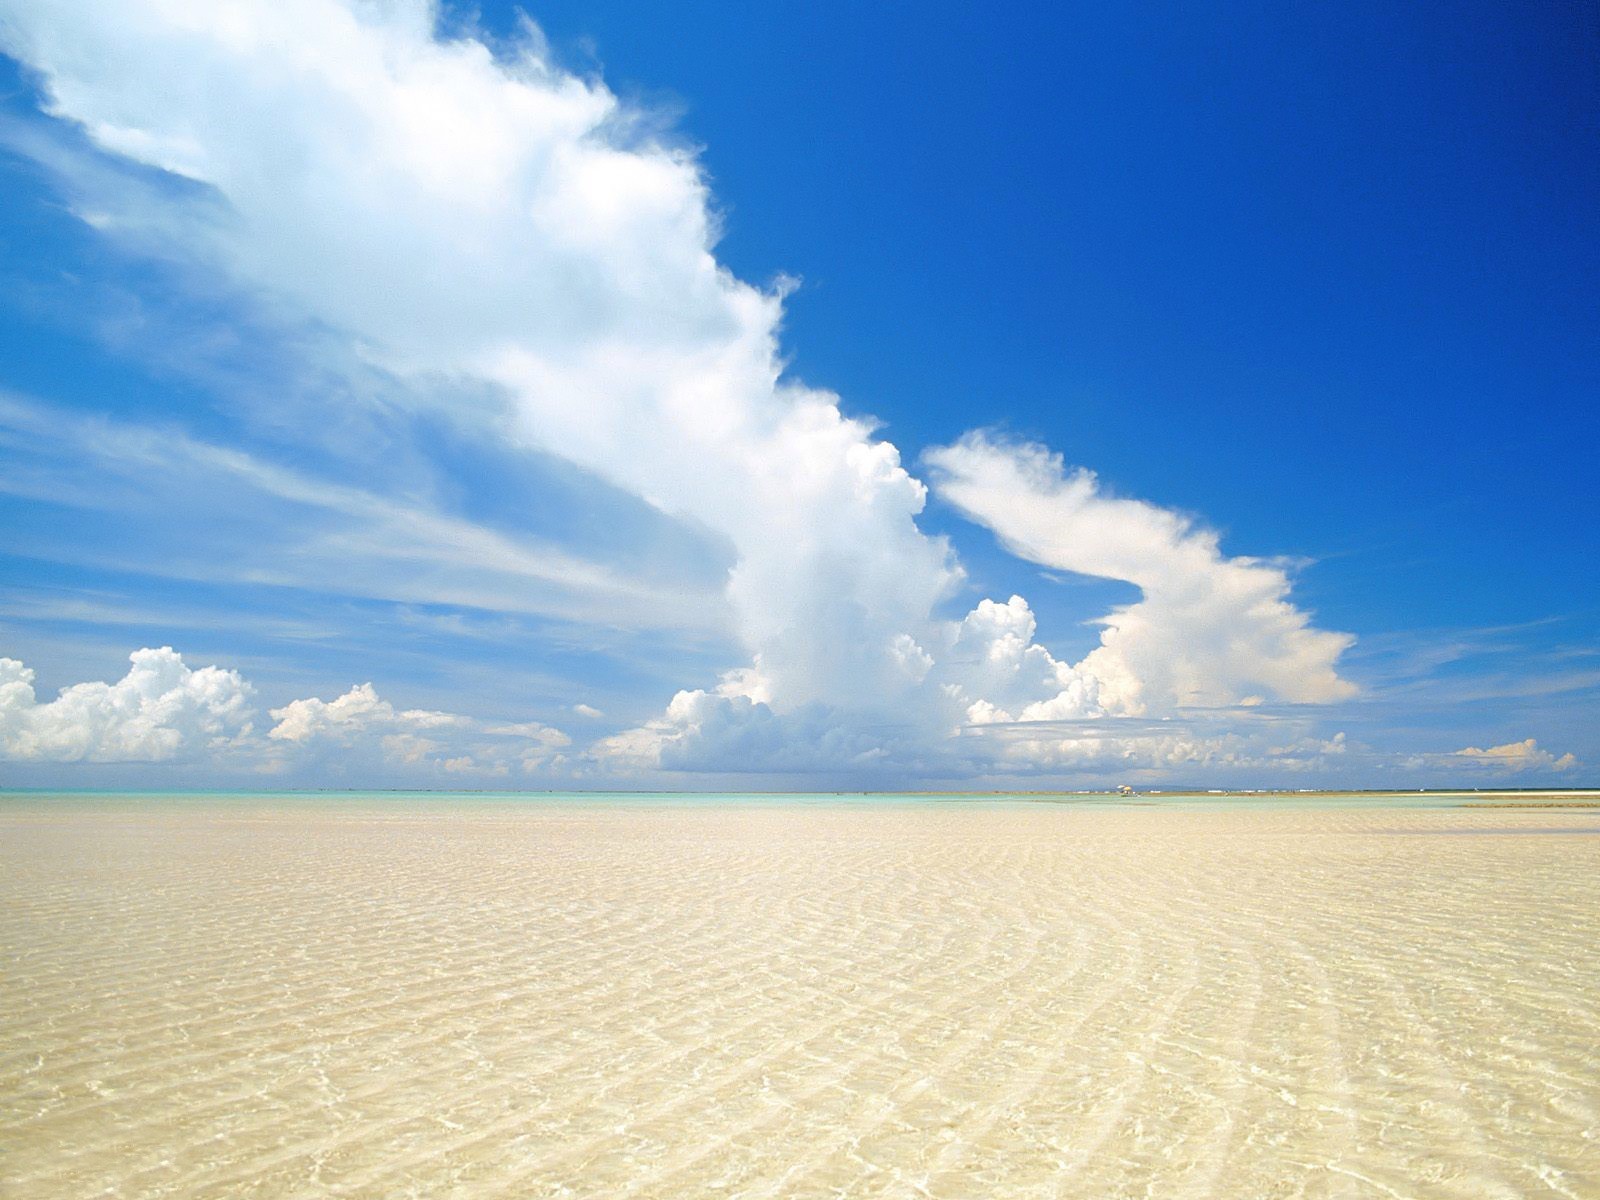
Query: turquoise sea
(357, 799)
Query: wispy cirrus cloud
(226, 513)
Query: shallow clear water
(389, 995)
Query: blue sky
(1320, 283)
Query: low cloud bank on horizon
(163, 711)
(442, 211)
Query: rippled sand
(935, 999)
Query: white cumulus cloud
(1208, 630)
(360, 714)
(456, 213)
(160, 710)
(1517, 756)
(495, 218)
(362, 722)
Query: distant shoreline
(1582, 797)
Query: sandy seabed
(929, 999)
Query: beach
(325, 996)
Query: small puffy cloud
(159, 711)
(465, 764)
(360, 717)
(360, 722)
(588, 710)
(1517, 756)
(533, 731)
(164, 711)
(358, 712)
(1209, 630)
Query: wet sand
(949, 1000)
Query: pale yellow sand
(899, 1001)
